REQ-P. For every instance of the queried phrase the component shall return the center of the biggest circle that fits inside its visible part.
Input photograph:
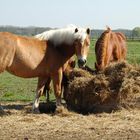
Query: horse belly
(27, 67)
(26, 72)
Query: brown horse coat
(70, 65)
(109, 47)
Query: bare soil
(20, 124)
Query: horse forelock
(63, 35)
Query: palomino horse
(109, 47)
(30, 57)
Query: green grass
(133, 53)
(13, 88)
(91, 56)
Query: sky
(95, 14)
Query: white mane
(63, 35)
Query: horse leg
(57, 81)
(39, 92)
(64, 86)
(1, 70)
(47, 88)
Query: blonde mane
(63, 35)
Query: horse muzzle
(81, 62)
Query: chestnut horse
(44, 57)
(70, 66)
(109, 47)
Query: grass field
(13, 88)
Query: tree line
(95, 33)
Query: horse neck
(66, 51)
(103, 47)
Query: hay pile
(117, 86)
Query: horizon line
(30, 26)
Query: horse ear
(88, 31)
(76, 30)
(108, 28)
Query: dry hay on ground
(117, 86)
(20, 123)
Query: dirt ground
(21, 124)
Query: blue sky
(59, 13)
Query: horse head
(77, 38)
(82, 43)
